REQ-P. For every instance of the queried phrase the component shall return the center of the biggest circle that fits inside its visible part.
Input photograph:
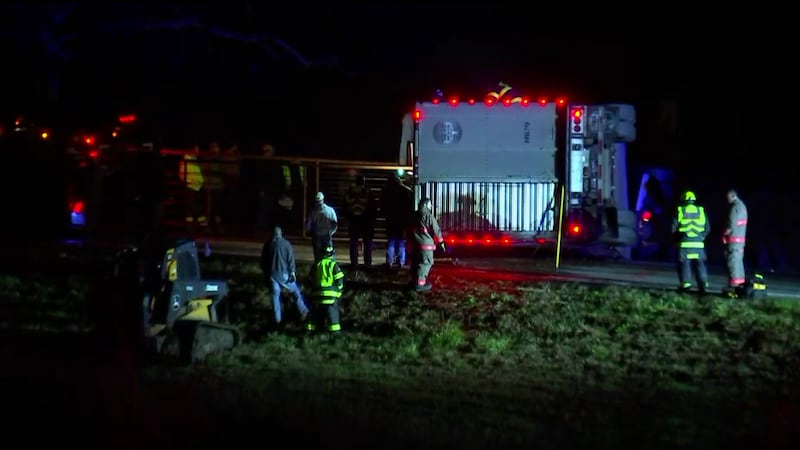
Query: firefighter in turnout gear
(691, 227)
(426, 236)
(734, 239)
(327, 284)
(361, 211)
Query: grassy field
(477, 364)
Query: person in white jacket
(322, 224)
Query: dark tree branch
(262, 40)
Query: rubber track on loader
(199, 339)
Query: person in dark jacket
(280, 269)
(360, 212)
(426, 236)
(397, 208)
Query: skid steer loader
(180, 315)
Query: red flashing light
(561, 101)
(77, 207)
(129, 118)
(471, 101)
(94, 154)
(454, 101)
(417, 115)
(542, 101)
(646, 216)
(507, 101)
(89, 140)
(490, 101)
(525, 101)
(575, 229)
(435, 101)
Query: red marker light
(130, 118)
(507, 101)
(417, 115)
(561, 101)
(490, 101)
(646, 216)
(77, 207)
(577, 113)
(471, 101)
(94, 154)
(436, 101)
(89, 140)
(525, 101)
(454, 101)
(575, 229)
(542, 101)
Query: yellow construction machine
(180, 314)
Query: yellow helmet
(689, 196)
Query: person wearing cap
(279, 267)
(690, 226)
(321, 224)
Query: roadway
(508, 267)
(541, 268)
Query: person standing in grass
(279, 267)
(327, 281)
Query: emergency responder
(327, 284)
(279, 267)
(192, 176)
(322, 223)
(214, 184)
(426, 236)
(268, 180)
(397, 207)
(690, 227)
(360, 212)
(734, 239)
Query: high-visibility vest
(190, 172)
(693, 225)
(328, 280)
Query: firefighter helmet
(689, 196)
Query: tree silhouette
(54, 38)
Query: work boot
(423, 287)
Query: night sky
(707, 82)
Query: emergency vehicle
(508, 170)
